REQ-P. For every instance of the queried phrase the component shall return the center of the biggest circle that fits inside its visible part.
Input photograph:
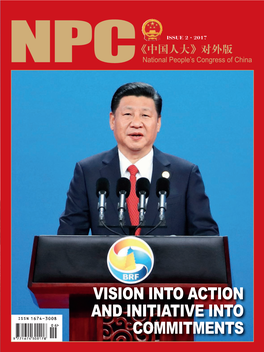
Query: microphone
(162, 191)
(142, 191)
(122, 191)
(102, 191)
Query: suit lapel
(111, 171)
(160, 164)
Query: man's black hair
(137, 89)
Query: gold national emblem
(152, 29)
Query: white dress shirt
(144, 166)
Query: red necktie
(132, 200)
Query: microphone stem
(142, 206)
(162, 206)
(121, 206)
(101, 205)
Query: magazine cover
(87, 86)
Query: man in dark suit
(135, 119)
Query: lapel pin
(165, 174)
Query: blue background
(60, 117)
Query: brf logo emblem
(130, 260)
(152, 29)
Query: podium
(65, 270)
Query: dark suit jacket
(188, 210)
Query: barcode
(53, 332)
(35, 331)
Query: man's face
(135, 125)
